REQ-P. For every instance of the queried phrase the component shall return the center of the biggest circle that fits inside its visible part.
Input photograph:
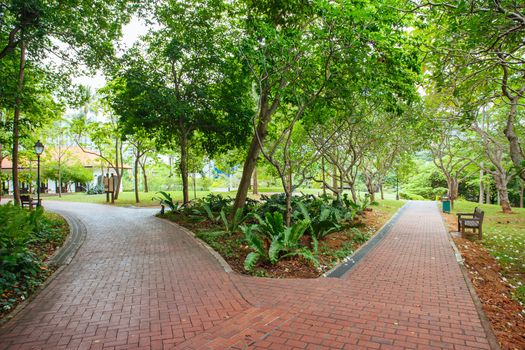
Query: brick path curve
(141, 283)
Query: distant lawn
(389, 206)
(128, 198)
(125, 198)
(504, 237)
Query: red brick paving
(140, 283)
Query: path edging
(60, 259)
(227, 268)
(77, 235)
(485, 322)
(353, 259)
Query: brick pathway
(141, 283)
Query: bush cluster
(263, 226)
(23, 238)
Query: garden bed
(28, 240)
(331, 250)
(501, 303)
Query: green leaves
(21, 267)
(282, 241)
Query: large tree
(34, 33)
(300, 52)
(184, 83)
(478, 49)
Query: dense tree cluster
(329, 92)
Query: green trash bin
(445, 200)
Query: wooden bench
(27, 200)
(473, 221)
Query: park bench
(473, 221)
(27, 200)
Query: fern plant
(283, 241)
(237, 219)
(166, 200)
(328, 220)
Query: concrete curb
(77, 236)
(60, 259)
(485, 322)
(352, 260)
(227, 268)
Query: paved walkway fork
(139, 282)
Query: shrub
(273, 203)
(271, 240)
(22, 233)
(216, 202)
(98, 189)
(328, 220)
(410, 196)
(166, 200)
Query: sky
(130, 34)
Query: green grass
(504, 238)
(388, 206)
(128, 198)
(125, 198)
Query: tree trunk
(487, 193)
(255, 186)
(334, 182)
(382, 194)
(288, 214)
(370, 188)
(480, 199)
(354, 194)
(324, 177)
(452, 190)
(16, 119)
(521, 194)
(136, 176)
(145, 176)
(119, 165)
(184, 167)
(253, 153)
(503, 194)
(514, 144)
(59, 178)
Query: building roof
(73, 154)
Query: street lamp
(39, 149)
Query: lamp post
(39, 149)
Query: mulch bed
(333, 248)
(504, 313)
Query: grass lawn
(504, 238)
(125, 198)
(388, 206)
(146, 199)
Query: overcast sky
(130, 34)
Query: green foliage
(21, 268)
(165, 199)
(327, 221)
(271, 240)
(273, 203)
(92, 190)
(216, 202)
(411, 196)
(237, 219)
(213, 207)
